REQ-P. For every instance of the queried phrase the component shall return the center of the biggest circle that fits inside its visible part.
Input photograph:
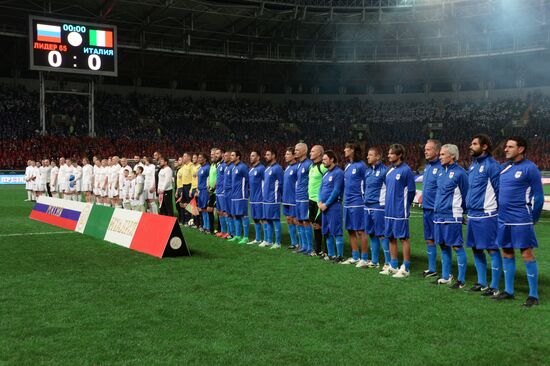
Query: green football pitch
(69, 299)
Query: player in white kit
(53, 179)
(62, 179)
(138, 202)
(37, 185)
(124, 167)
(87, 180)
(114, 182)
(28, 183)
(104, 182)
(149, 185)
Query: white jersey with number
(35, 176)
(62, 178)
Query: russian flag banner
(59, 213)
(48, 33)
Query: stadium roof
(318, 31)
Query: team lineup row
(499, 204)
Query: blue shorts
(272, 211)
(481, 233)
(228, 204)
(516, 236)
(302, 211)
(257, 210)
(396, 229)
(331, 220)
(220, 202)
(354, 218)
(449, 234)
(374, 221)
(289, 210)
(202, 200)
(239, 207)
(428, 218)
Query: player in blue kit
(272, 197)
(429, 189)
(289, 196)
(400, 191)
(449, 206)
(202, 190)
(256, 181)
(239, 198)
(520, 202)
(375, 202)
(228, 191)
(305, 231)
(330, 204)
(482, 205)
(220, 195)
(354, 189)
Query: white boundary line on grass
(42, 233)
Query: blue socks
(394, 263)
(269, 232)
(407, 265)
(496, 268)
(446, 258)
(462, 260)
(509, 274)
(375, 249)
(330, 245)
(246, 226)
(223, 223)
(481, 267)
(355, 254)
(432, 257)
(340, 245)
(386, 248)
(292, 232)
(265, 225)
(309, 237)
(230, 227)
(301, 235)
(238, 222)
(258, 230)
(532, 278)
(278, 233)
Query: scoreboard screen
(70, 46)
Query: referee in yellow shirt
(184, 179)
(194, 185)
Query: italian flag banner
(101, 38)
(156, 235)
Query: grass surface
(71, 299)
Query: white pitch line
(43, 233)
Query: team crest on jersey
(291, 172)
(481, 168)
(472, 167)
(303, 170)
(451, 174)
(518, 174)
(270, 172)
(354, 171)
(434, 171)
(377, 174)
(255, 173)
(398, 176)
(330, 179)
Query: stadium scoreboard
(71, 46)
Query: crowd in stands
(140, 124)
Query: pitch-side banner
(156, 235)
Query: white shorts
(103, 192)
(113, 193)
(86, 187)
(40, 187)
(53, 188)
(28, 186)
(63, 187)
(149, 195)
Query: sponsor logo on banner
(122, 226)
(12, 179)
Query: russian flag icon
(48, 33)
